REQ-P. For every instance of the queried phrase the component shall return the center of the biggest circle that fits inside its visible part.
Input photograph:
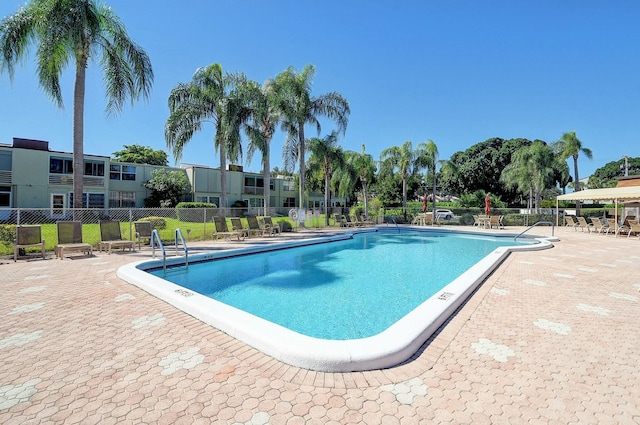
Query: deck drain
(184, 293)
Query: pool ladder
(394, 222)
(179, 241)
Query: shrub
(7, 233)
(195, 212)
(196, 205)
(156, 222)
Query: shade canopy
(610, 193)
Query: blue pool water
(339, 290)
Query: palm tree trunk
(434, 191)
(577, 182)
(364, 194)
(404, 197)
(327, 196)
(223, 176)
(267, 182)
(78, 131)
(301, 162)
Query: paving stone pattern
(551, 337)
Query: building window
(60, 166)
(122, 172)
(90, 200)
(289, 202)
(5, 196)
(94, 168)
(288, 185)
(255, 202)
(209, 199)
(122, 199)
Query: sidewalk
(551, 337)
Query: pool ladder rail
(179, 241)
(534, 225)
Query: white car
(444, 214)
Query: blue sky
(456, 72)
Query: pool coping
(392, 346)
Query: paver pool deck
(551, 337)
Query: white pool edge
(394, 345)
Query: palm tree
(327, 156)
(570, 146)
(211, 96)
(264, 118)
(360, 166)
(429, 159)
(298, 108)
(406, 161)
(531, 170)
(76, 30)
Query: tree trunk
(404, 197)
(364, 194)
(327, 195)
(434, 191)
(267, 182)
(301, 173)
(577, 182)
(223, 176)
(78, 131)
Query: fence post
(18, 218)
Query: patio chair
(143, 231)
(254, 226)
(597, 225)
(27, 236)
(350, 223)
(615, 228)
(271, 227)
(223, 232)
(583, 225)
(570, 222)
(634, 227)
(363, 221)
(70, 239)
(494, 221)
(111, 237)
(236, 225)
(337, 220)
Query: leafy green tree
(479, 168)
(76, 30)
(138, 154)
(167, 188)
(326, 156)
(297, 108)
(210, 97)
(569, 146)
(607, 175)
(407, 161)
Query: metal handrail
(534, 225)
(394, 222)
(155, 238)
(184, 247)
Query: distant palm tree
(76, 30)
(429, 159)
(298, 108)
(264, 118)
(328, 156)
(211, 96)
(406, 160)
(362, 167)
(570, 146)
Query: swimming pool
(315, 331)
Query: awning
(608, 194)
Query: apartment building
(34, 176)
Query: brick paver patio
(551, 337)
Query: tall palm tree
(264, 118)
(569, 146)
(429, 159)
(210, 97)
(298, 108)
(406, 160)
(76, 30)
(328, 156)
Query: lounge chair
(271, 227)
(583, 225)
(634, 227)
(254, 226)
(570, 222)
(27, 236)
(615, 228)
(143, 231)
(223, 232)
(494, 221)
(337, 220)
(363, 221)
(597, 225)
(350, 223)
(111, 237)
(236, 225)
(70, 239)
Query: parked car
(442, 214)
